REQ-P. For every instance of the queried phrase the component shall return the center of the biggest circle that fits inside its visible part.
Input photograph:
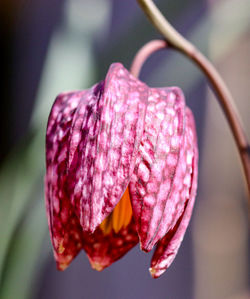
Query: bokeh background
(48, 46)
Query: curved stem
(142, 55)
(178, 42)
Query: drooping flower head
(121, 168)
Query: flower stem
(177, 41)
(143, 54)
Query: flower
(121, 164)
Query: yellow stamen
(120, 217)
(106, 225)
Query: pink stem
(143, 54)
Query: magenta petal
(104, 144)
(82, 133)
(104, 249)
(64, 226)
(151, 185)
(167, 248)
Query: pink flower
(121, 168)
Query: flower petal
(102, 160)
(83, 132)
(151, 185)
(167, 248)
(65, 230)
(104, 249)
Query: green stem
(177, 41)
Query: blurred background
(49, 46)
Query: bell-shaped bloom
(121, 169)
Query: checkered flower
(121, 162)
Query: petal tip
(155, 273)
(146, 247)
(97, 266)
(62, 266)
